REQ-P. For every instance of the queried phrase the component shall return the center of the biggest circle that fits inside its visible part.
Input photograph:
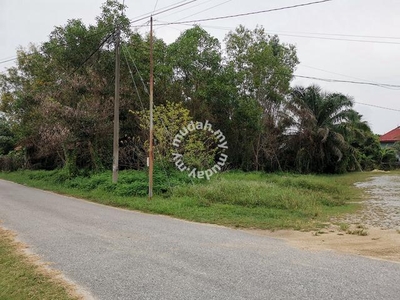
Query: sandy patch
(375, 228)
(378, 243)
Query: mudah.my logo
(222, 146)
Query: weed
(359, 229)
(256, 200)
(344, 226)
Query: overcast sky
(329, 55)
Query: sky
(352, 40)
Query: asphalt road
(118, 254)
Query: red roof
(391, 137)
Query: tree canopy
(57, 102)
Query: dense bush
(13, 161)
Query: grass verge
(236, 199)
(21, 278)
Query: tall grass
(236, 199)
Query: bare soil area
(373, 232)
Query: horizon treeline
(57, 103)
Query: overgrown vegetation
(20, 278)
(56, 106)
(237, 199)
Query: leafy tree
(198, 147)
(195, 58)
(263, 68)
(6, 137)
(59, 100)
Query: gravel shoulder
(375, 229)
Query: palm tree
(317, 140)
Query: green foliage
(13, 161)
(329, 136)
(6, 137)
(58, 102)
(198, 147)
(255, 200)
(130, 184)
(263, 65)
(390, 158)
(195, 58)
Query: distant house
(388, 139)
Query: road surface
(118, 254)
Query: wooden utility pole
(116, 107)
(151, 152)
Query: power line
(295, 35)
(187, 8)
(342, 34)
(168, 8)
(138, 72)
(53, 46)
(349, 81)
(94, 52)
(338, 39)
(207, 9)
(249, 13)
(133, 79)
(155, 6)
(330, 72)
(377, 106)
(105, 40)
(161, 11)
(148, 14)
(8, 60)
(197, 12)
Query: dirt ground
(373, 232)
(379, 243)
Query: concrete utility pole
(151, 152)
(116, 107)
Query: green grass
(236, 199)
(20, 278)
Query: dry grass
(23, 276)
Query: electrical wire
(341, 34)
(149, 14)
(131, 73)
(54, 46)
(249, 13)
(155, 6)
(140, 75)
(338, 39)
(167, 8)
(362, 79)
(348, 81)
(164, 23)
(8, 60)
(377, 106)
(94, 52)
(204, 10)
(187, 8)
(179, 4)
